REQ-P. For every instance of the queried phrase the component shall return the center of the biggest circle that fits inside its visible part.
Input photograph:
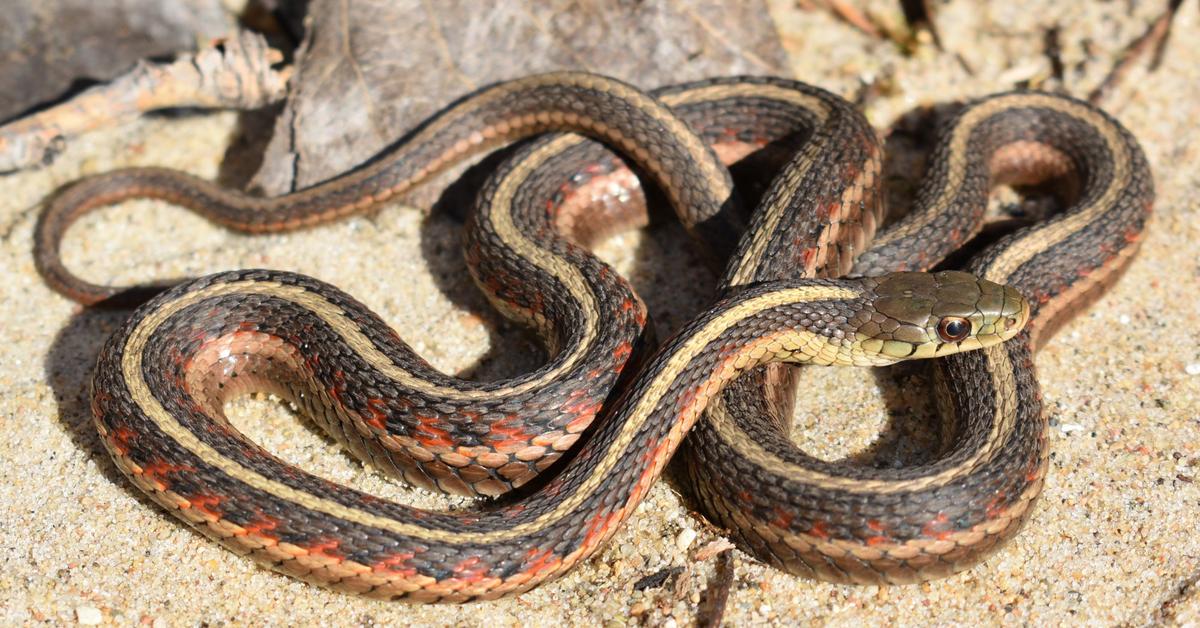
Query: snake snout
(1003, 313)
(1015, 314)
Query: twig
(918, 13)
(232, 73)
(1052, 48)
(1155, 36)
(716, 596)
(852, 16)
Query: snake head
(925, 315)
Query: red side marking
(338, 387)
(808, 257)
(470, 570)
(429, 434)
(622, 353)
(537, 561)
(600, 526)
(937, 528)
(881, 537)
(639, 313)
(509, 432)
(395, 565)
(157, 471)
(262, 525)
(584, 417)
(553, 488)
(687, 400)
(783, 518)
(652, 460)
(995, 506)
(119, 439)
(580, 404)
(818, 530)
(1034, 472)
(851, 170)
(326, 549)
(375, 415)
(206, 504)
(539, 304)
(745, 497)
(494, 284)
(827, 209)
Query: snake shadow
(68, 368)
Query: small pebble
(1067, 428)
(88, 615)
(1192, 369)
(1124, 319)
(685, 538)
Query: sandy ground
(1112, 541)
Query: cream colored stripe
(1043, 238)
(716, 180)
(1003, 420)
(135, 346)
(749, 264)
(810, 102)
(786, 182)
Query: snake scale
(571, 448)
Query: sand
(1112, 540)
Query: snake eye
(953, 329)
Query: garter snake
(163, 377)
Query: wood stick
(233, 73)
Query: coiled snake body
(163, 378)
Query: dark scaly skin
(172, 352)
(490, 444)
(598, 106)
(945, 526)
(934, 552)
